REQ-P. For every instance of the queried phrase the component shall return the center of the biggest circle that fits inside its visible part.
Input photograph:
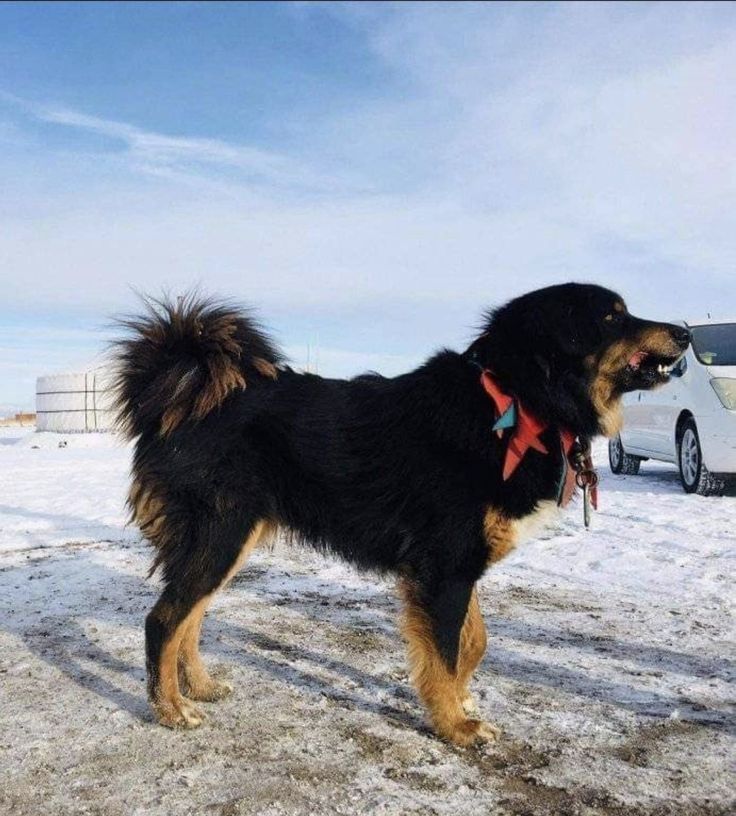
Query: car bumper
(717, 433)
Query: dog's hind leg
(173, 625)
(433, 621)
(194, 679)
(165, 626)
(473, 641)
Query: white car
(690, 421)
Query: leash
(524, 431)
(586, 478)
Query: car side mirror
(680, 368)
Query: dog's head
(570, 351)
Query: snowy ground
(611, 666)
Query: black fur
(394, 475)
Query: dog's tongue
(637, 359)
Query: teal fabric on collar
(507, 419)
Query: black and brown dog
(409, 475)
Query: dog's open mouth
(648, 366)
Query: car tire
(620, 461)
(694, 475)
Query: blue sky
(370, 176)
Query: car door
(665, 406)
(636, 434)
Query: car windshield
(716, 344)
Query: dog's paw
(209, 692)
(487, 732)
(178, 713)
(470, 732)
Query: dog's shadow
(119, 601)
(61, 636)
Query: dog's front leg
(434, 620)
(473, 642)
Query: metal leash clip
(586, 479)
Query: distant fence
(21, 420)
(75, 403)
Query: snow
(610, 667)
(54, 495)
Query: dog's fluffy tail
(180, 360)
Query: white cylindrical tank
(79, 402)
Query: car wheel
(694, 475)
(619, 460)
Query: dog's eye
(613, 317)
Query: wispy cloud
(166, 155)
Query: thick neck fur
(552, 385)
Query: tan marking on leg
(500, 534)
(262, 530)
(473, 642)
(436, 684)
(171, 708)
(194, 678)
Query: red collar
(526, 429)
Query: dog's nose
(681, 336)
